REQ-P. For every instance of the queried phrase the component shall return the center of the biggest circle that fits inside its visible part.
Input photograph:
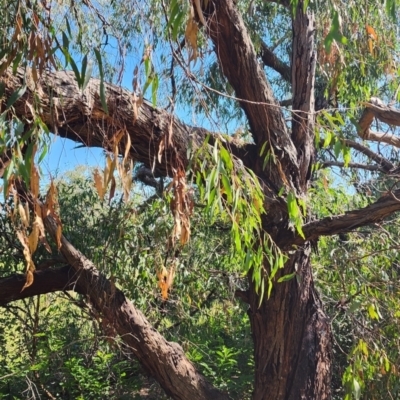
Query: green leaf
(226, 158)
(287, 277)
(76, 71)
(356, 389)
(372, 312)
(102, 88)
(337, 148)
(334, 34)
(154, 89)
(87, 75)
(16, 95)
(227, 186)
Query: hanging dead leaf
(165, 280)
(137, 102)
(30, 266)
(109, 170)
(161, 147)
(29, 280)
(34, 180)
(51, 199)
(23, 215)
(42, 236)
(50, 208)
(112, 190)
(33, 238)
(127, 146)
(181, 206)
(98, 183)
(125, 172)
(371, 32)
(191, 35)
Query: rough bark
(292, 338)
(165, 361)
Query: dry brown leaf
(33, 237)
(30, 266)
(50, 209)
(29, 279)
(42, 234)
(98, 183)
(161, 147)
(125, 172)
(191, 35)
(112, 190)
(51, 199)
(127, 147)
(34, 180)
(181, 206)
(165, 280)
(371, 32)
(23, 215)
(109, 171)
(117, 137)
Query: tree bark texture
(292, 337)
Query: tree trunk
(292, 337)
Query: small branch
(352, 165)
(270, 59)
(376, 212)
(382, 161)
(286, 103)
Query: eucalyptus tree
(298, 82)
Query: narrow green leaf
(16, 95)
(88, 75)
(287, 277)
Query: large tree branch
(271, 60)
(382, 161)
(45, 281)
(239, 64)
(376, 212)
(325, 164)
(164, 360)
(303, 79)
(80, 117)
(375, 108)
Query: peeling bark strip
(165, 361)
